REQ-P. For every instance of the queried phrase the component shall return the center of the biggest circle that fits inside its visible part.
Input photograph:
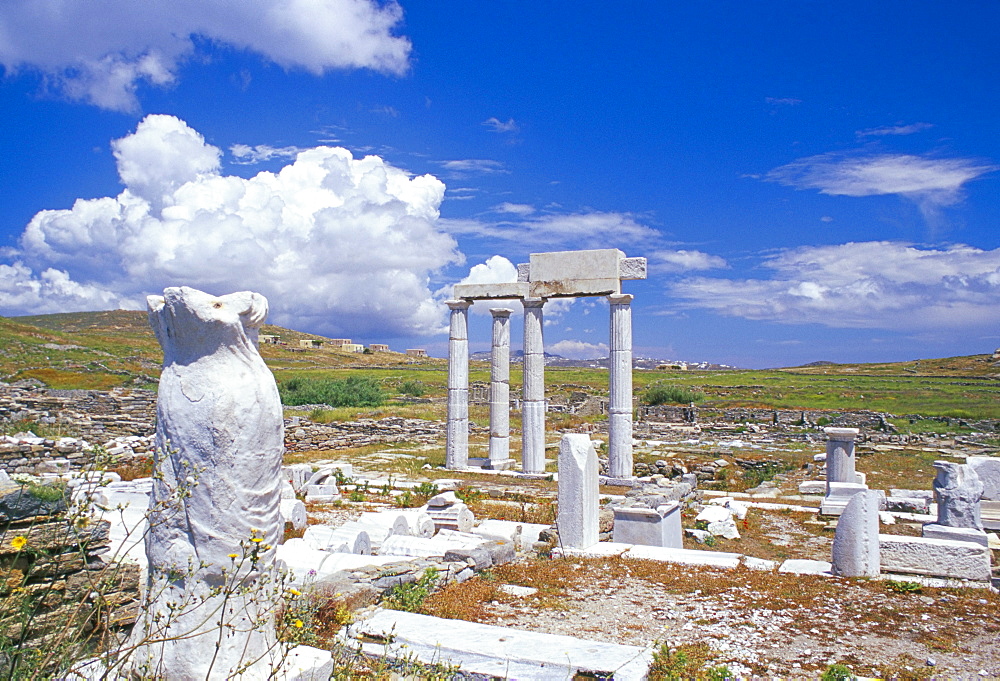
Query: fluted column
(500, 389)
(840, 457)
(620, 407)
(533, 398)
(457, 433)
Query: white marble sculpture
(214, 511)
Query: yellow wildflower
(19, 542)
(297, 624)
(256, 540)
(295, 592)
(234, 556)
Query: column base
(487, 464)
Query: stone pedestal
(457, 433)
(838, 496)
(533, 398)
(500, 391)
(578, 518)
(620, 404)
(650, 527)
(856, 544)
(840, 456)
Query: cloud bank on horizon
(875, 284)
(347, 245)
(99, 52)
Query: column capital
(532, 302)
(500, 311)
(841, 434)
(458, 304)
(620, 298)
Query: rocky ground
(757, 623)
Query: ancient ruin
(568, 274)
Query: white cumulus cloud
(339, 245)
(671, 261)
(98, 52)
(496, 270)
(575, 349)
(875, 284)
(930, 182)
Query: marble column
(620, 404)
(500, 389)
(840, 456)
(457, 433)
(533, 397)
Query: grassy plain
(100, 350)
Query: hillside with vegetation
(102, 350)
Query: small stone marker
(578, 492)
(650, 527)
(855, 544)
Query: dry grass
(943, 620)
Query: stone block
(935, 531)
(579, 265)
(492, 651)
(988, 470)
(801, 566)
(934, 557)
(632, 268)
(500, 291)
(813, 487)
(649, 527)
(578, 521)
(907, 504)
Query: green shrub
(354, 391)
(412, 388)
(837, 672)
(903, 587)
(410, 597)
(661, 393)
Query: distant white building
(310, 343)
(352, 347)
(416, 352)
(378, 347)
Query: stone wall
(94, 415)
(56, 591)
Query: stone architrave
(500, 389)
(620, 404)
(856, 543)
(533, 393)
(579, 509)
(959, 491)
(840, 457)
(215, 504)
(457, 430)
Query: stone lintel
(571, 288)
(511, 289)
(500, 311)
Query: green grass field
(118, 349)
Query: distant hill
(112, 348)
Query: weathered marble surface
(855, 544)
(959, 491)
(216, 493)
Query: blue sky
(810, 181)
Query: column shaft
(457, 429)
(620, 403)
(533, 398)
(840, 455)
(500, 387)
